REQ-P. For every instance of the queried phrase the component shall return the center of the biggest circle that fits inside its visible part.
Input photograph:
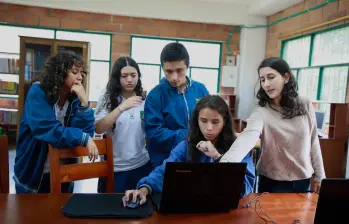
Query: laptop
(333, 202)
(320, 123)
(200, 187)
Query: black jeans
(126, 180)
(266, 184)
(45, 186)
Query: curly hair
(291, 105)
(112, 97)
(56, 70)
(224, 140)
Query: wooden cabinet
(334, 147)
(338, 119)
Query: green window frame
(310, 63)
(191, 69)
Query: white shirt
(129, 146)
(60, 114)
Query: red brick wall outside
(121, 27)
(329, 12)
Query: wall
(121, 27)
(329, 12)
(252, 44)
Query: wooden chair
(4, 167)
(71, 172)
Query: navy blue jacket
(39, 127)
(155, 180)
(167, 114)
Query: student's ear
(287, 77)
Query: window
(331, 47)
(100, 44)
(320, 63)
(207, 76)
(204, 61)
(333, 89)
(10, 37)
(308, 82)
(150, 76)
(99, 76)
(296, 52)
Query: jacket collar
(71, 98)
(164, 80)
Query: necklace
(131, 109)
(131, 114)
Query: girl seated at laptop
(286, 123)
(56, 112)
(211, 134)
(120, 111)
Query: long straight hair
(224, 140)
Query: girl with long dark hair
(286, 123)
(119, 111)
(211, 134)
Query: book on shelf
(9, 65)
(8, 116)
(8, 87)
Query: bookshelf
(22, 68)
(337, 127)
(334, 145)
(9, 80)
(233, 105)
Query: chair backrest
(60, 173)
(4, 167)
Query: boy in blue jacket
(211, 135)
(169, 105)
(56, 112)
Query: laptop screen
(332, 206)
(320, 120)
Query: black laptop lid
(202, 187)
(333, 203)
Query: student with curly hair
(286, 122)
(120, 111)
(56, 112)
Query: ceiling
(230, 12)
(239, 2)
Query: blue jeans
(266, 184)
(126, 180)
(45, 186)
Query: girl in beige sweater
(286, 124)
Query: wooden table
(45, 208)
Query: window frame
(72, 31)
(322, 67)
(190, 67)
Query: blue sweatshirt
(155, 180)
(167, 113)
(39, 127)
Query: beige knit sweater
(290, 147)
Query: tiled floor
(84, 186)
